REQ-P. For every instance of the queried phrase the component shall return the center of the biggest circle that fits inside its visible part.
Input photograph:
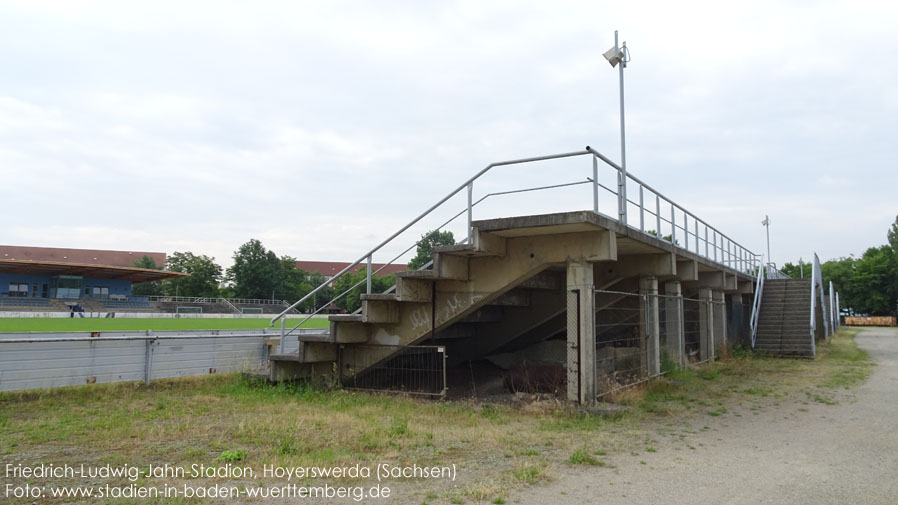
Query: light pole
(615, 55)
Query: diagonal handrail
(467, 184)
(756, 303)
(429, 263)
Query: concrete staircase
(784, 322)
(479, 295)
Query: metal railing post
(368, 277)
(282, 343)
(673, 224)
(471, 211)
(706, 242)
(658, 214)
(595, 184)
(696, 236)
(641, 210)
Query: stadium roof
(84, 269)
(84, 256)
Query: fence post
(148, 364)
(648, 288)
(595, 184)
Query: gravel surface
(791, 453)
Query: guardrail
(698, 236)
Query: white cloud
(321, 128)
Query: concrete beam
(687, 270)
(707, 280)
(746, 287)
(653, 265)
(730, 283)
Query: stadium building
(59, 279)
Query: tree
(205, 275)
(426, 245)
(892, 234)
(256, 272)
(666, 238)
(352, 300)
(153, 288)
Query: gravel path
(789, 454)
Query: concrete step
(309, 352)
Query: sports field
(88, 324)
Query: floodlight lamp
(613, 56)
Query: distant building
(331, 268)
(37, 273)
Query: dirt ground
(800, 453)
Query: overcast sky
(322, 127)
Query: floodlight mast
(615, 58)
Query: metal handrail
(756, 303)
(732, 254)
(467, 184)
(429, 263)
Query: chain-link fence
(670, 331)
(692, 329)
(418, 370)
(621, 343)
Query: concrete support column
(675, 345)
(581, 333)
(705, 325)
(719, 313)
(648, 317)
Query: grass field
(498, 447)
(28, 324)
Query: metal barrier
(621, 340)
(414, 370)
(66, 359)
(692, 330)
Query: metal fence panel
(124, 356)
(621, 341)
(418, 370)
